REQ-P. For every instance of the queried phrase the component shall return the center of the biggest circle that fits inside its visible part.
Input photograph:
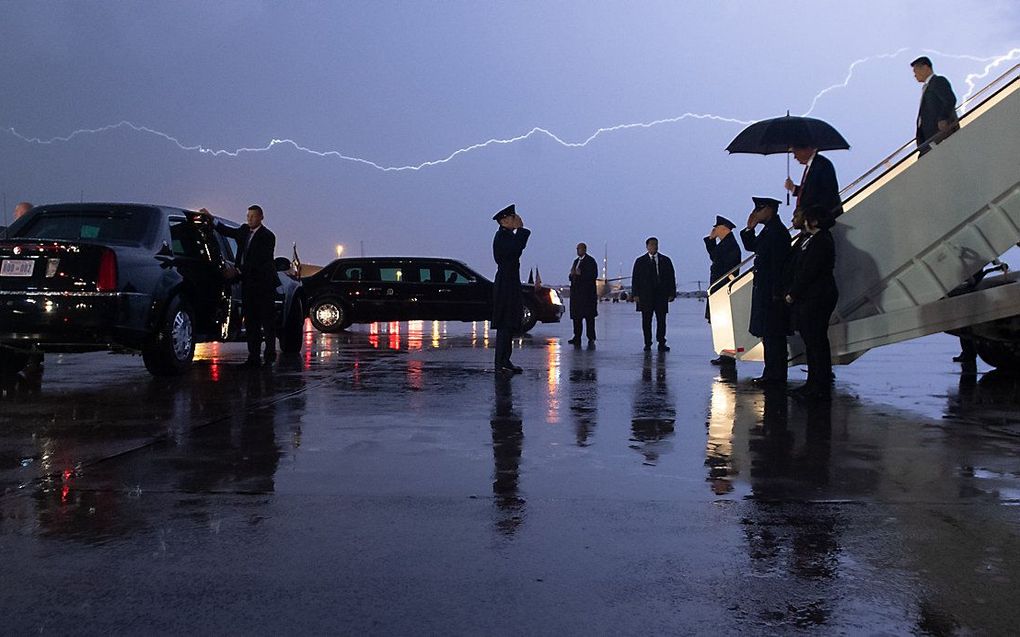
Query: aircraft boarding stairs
(913, 229)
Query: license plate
(16, 267)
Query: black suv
(369, 289)
(135, 277)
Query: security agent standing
(812, 297)
(507, 304)
(256, 246)
(584, 300)
(653, 282)
(769, 315)
(725, 255)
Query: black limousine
(368, 289)
(132, 277)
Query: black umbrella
(777, 135)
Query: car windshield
(103, 226)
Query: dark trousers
(260, 320)
(813, 325)
(775, 357)
(504, 335)
(967, 349)
(590, 320)
(660, 324)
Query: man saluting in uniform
(507, 304)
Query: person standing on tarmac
(507, 305)
(725, 255)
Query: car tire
(528, 317)
(172, 349)
(998, 354)
(330, 315)
(292, 334)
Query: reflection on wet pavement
(387, 471)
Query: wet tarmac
(386, 481)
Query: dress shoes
(648, 347)
(270, 358)
(663, 347)
(511, 368)
(964, 359)
(575, 341)
(253, 361)
(763, 381)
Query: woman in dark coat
(812, 297)
(507, 304)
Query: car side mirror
(282, 264)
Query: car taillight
(107, 281)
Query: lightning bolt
(536, 131)
(994, 62)
(849, 76)
(970, 80)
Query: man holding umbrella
(818, 186)
(804, 137)
(769, 314)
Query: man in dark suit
(256, 247)
(769, 315)
(507, 304)
(725, 255)
(584, 302)
(653, 283)
(936, 116)
(818, 186)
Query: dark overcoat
(725, 256)
(820, 187)
(813, 288)
(507, 303)
(584, 302)
(769, 315)
(938, 102)
(653, 292)
(255, 261)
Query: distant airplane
(606, 288)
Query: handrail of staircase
(894, 159)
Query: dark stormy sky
(403, 84)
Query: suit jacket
(938, 103)
(584, 300)
(507, 303)
(769, 316)
(255, 261)
(653, 292)
(820, 187)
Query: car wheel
(293, 328)
(998, 354)
(172, 348)
(330, 315)
(528, 317)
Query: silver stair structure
(913, 229)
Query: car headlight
(554, 297)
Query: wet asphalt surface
(386, 481)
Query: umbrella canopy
(777, 135)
